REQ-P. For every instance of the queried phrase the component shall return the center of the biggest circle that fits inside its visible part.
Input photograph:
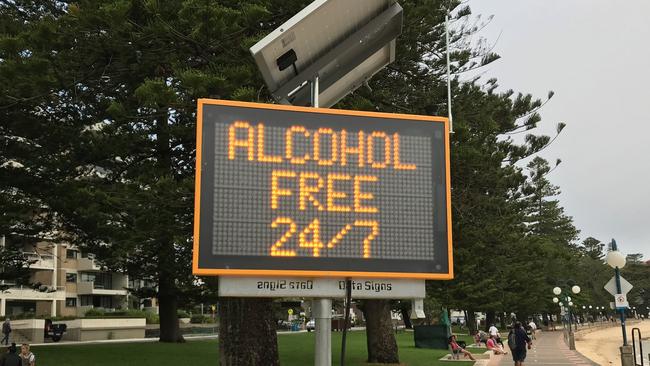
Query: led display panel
(283, 190)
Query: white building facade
(64, 282)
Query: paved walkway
(548, 349)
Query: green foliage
(99, 99)
(151, 318)
(94, 312)
(635, 258)
(98, 102)
(593, 248)
(508, 227)
(638, 274)
(14, 267)
(99, 312)
(201, 319)
(26, 315)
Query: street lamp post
(566, 299)
(616, 260)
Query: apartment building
(65, 282)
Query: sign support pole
(322, 308)
(617, 274)
(451, 121)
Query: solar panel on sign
(343, 42)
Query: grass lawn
(295, 350)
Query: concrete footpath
(548, 349)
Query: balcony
(40, 261)
(28, 293)
(87, 264)
(90, 288)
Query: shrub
(199, 319)
(67, 317)
(24, 316)
(94, 312)
(152, 318)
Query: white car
(311, 325)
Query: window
(106, 302)
(71, 277)
(101, 280)
(87, 276)
(86, 300)
(71, 254)
(70, 302)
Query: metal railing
(637, 331)
(40, 260)
(43, 288)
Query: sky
(595, 56)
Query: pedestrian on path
(6, 330)
(533, 328)
(519, 341)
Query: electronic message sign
(284, 190)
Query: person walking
(533, 329)
(11, 358)
(26, 356)
(519, 341)
(6, 330)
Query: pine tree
(415, 83)
(108, 90)
(30, 134)
(593, 248)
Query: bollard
(572, 341)
(627, 357)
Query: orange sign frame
(312, 273)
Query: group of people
(12, 358)
(518, 342)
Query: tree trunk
(247, 333)
(503, 317)
(381, 343)
(470, 321)
(407, 319)
(168, 309)
(522, 317)
(490, 318)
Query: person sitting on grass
(457, 349)
(493, 346)
(494, 331)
